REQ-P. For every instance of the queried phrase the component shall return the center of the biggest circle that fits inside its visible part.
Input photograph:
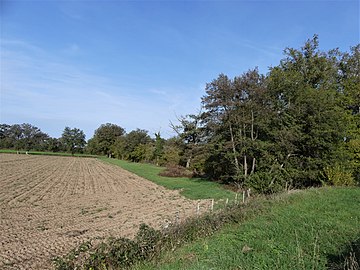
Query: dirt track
(48, 205)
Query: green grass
(191, 188)
(7, 151)
(306, 230)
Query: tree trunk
(245, 167)
(253, 166)
(188, 162)
(237, 167)
(252, 125)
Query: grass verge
(191, 188)
(312, 229)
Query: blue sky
(140, 64)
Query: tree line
(296, 126)
(28, 137)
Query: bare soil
(49, 205)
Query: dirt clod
(49, 205)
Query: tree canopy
(296, 126)
(104, 137)
(73, 140)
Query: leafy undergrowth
(313, 229)
(191, 188)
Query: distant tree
(54, 145)
(133, 140)
(172, 152)
(73, 140)
(33, 138)
(6, 141)
(15, 135)
(190, 134)
(22, 137)
(104, 138)
(159, 148)
(132, 145)
(119, 148)
(142, 153)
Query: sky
(142, 64)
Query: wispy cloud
(38, 86)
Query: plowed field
(49, 205)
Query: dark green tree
(73, 140)
(54, 145)
(133, 146)
(235, 113)
(312, 121)
(104, 138)
(6, 141)
(159, 148)
(190, 135)
(22, 137)
(33, 138)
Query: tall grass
(314, 229)
(306, 230)
(191, 188)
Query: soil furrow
(49, 205)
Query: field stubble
(49, 205)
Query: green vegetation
(27, 137)
(296, 126)
(308, 230)
(73, 140)
(8, 151)
(192, 188)
(311, 229)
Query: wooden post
(198, 209)
(212, 205)
(243, 196)
(236, 195)
(227, 201)
(177, 218)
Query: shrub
(338, 175)
(265, 183)
(120, 253)
(176, 171)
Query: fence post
(177, 218)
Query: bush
(338, 175)
(265, 183)
(121, 253)
(176, 171)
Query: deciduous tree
(73, 140)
